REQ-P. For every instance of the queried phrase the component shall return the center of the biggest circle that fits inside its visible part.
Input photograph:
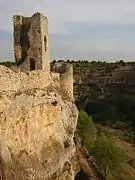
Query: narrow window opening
(45, 43)
(32, 64)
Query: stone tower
(31, 42)
(66, 77)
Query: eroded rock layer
(37, 125)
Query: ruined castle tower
(66, 77)
(31, 42)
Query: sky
(78, 29)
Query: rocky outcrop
(37, 125)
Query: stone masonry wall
(45, 45)
(21, 40)
(24, 81)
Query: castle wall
(21, 81)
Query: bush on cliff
(86, 128)
(107, 158)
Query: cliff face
(37, 125)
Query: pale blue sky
(88, 29)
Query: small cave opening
(81, 175)
(54, 103)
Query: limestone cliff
(37, 125)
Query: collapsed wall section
(21, 27)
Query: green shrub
(86, 128)
(108, 157)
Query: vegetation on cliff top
(8, 63)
